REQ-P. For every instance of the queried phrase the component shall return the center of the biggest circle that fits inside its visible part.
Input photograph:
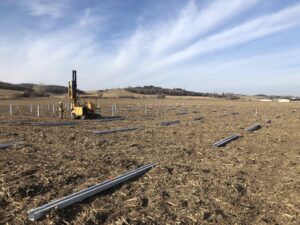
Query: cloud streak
(53, 8)
(242, 33)
(146, 52)
(193, 23)
(248, 31)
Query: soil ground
(253, 180)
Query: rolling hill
(8, 90)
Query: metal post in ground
(38, 110)
(10, 110)
(256, 114)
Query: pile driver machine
(78, 110)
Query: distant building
(284, 100)
(265, 100)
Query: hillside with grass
(162, 92)
(9, 90)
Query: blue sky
(240, 46)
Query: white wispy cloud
(242, 33)
(152, 44)
(193, 22)
(161, 51)
(261, 67)
(248, 31)
(92, 19)
(52, 8)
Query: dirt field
(253, 180)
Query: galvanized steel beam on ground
(88, 192)
(108, 119)
(181, 113)
(227, 140)
(114, 130)
(254, 128)
(14, 123)
(8, 145)
(53, 124)
(167, 123)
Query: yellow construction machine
(78, 110)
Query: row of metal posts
(114, 109)
(38, 109)
(68, 108)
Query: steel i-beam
(88, 192)
(167, 123)
(226, 140)
(114, 130)
(254, 128)
(8, 145)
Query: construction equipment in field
(78, 110)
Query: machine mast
(72, 91)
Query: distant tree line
(13, 87)
(36, 90)
(152, 90)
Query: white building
(265, 100)
(284, 100)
